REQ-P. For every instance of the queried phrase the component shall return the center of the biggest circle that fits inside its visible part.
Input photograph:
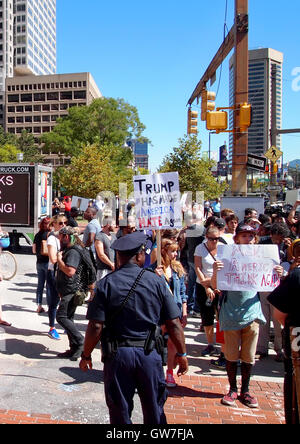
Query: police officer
(286, 302)
(134, 363)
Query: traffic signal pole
(240, 139)
(236, 39)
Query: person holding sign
(173, 273)
(240, 316)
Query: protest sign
(157, 201)
(248, 267)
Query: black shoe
(77, 353)
(66, 355)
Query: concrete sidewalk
(38, 387)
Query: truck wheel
(8, 265)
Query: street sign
(273, 154)
(256, 162)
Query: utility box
(25, 198)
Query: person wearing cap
(240, 315)
(286, 302)
(68, 260)
(131, 302)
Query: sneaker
(170, 381)
(196, 314)
(219, 363)
(210, 350)
(230, 398)
(53, 334)
(248, 400)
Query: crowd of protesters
(238, 322)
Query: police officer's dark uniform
(130, 367)
(286, 299)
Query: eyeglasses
(62, 223)
(214, 239)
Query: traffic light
(207, 104)
(217, 120)
(192, 122)
(245, 114)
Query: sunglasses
(62, 223)
(213, 239)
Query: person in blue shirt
(173, 273)
(216, 207)
(240, 316)
(130, 302)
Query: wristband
(181, 355)
(86, 358)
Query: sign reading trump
(248, 267)
(157, 201)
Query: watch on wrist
(86, 358)
(181, 355)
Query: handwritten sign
(248, 267)
(14, 199)
(157, 201)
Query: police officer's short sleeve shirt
(286, 297)
(151, 303)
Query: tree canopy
(194, 172)
(106, 121)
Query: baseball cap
(244, 228)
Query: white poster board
(157, 201)
(80, 202)
(248, 267)
(239, 204)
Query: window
(26, 97)
(79, 95)
(52, 96)
(39, 97)
(66, 95)
(13, 98)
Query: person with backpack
(75, 276)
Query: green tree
(8, 153)
(105, 121)
(92, 171)
(194, 172)
(26, 145)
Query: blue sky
(153, 53)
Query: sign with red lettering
(14, 199)
(248, 267)
(157, 201)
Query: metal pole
(240, 140)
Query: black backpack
(86, 272)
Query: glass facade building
(27, 40)
(265, 67)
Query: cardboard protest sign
(248, 267)
(157, 201)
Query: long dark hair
(44, 225)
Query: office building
(140, 153)
(265, 67)
(27, 40)
(34, 103)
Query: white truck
(25, 198)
